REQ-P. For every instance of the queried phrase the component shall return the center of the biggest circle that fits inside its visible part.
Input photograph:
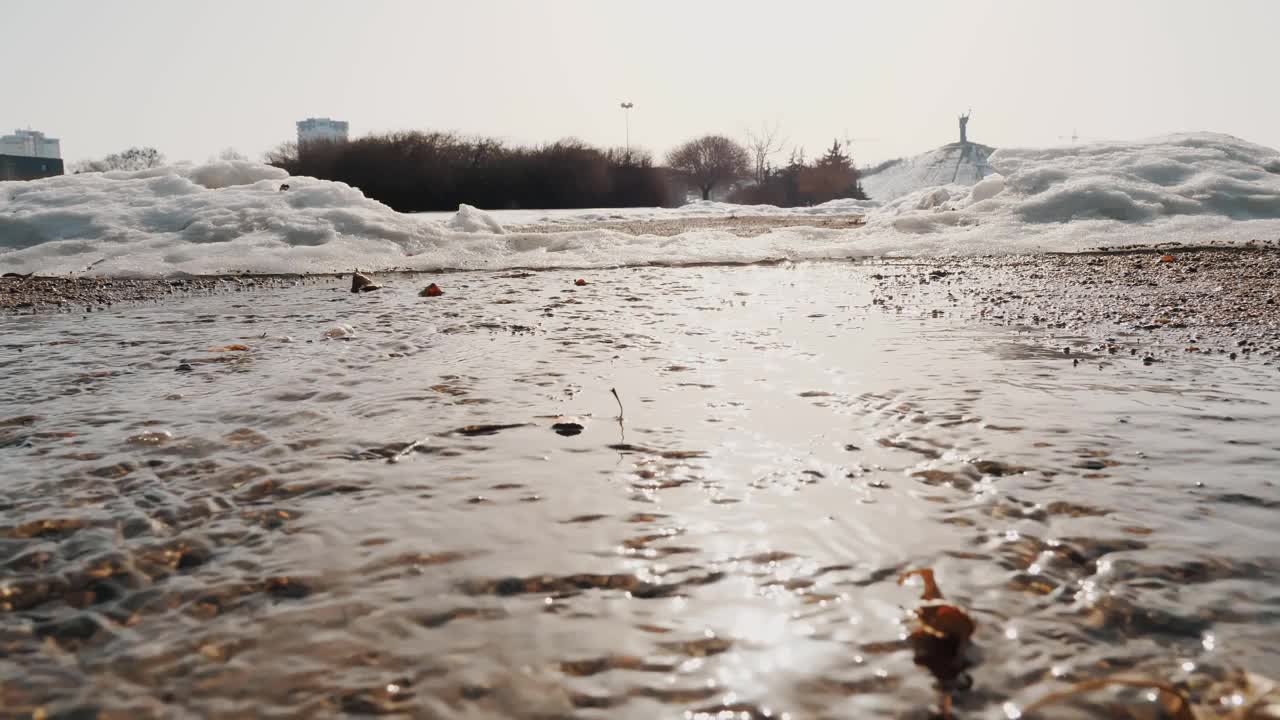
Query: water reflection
(435, 507)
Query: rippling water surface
(386, 504)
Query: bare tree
(284, 155)
(709, 161)
(763, 145)
(135, 158)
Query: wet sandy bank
(1199, 299)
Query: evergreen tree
(835, 157)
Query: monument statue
(964, 127)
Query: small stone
(361, 283)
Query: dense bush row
(418, 171)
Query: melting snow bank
(954, 164)
(1192, 188)
(470, 219)
(233, 216)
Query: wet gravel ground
(37, 294)
(1156, 304)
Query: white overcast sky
(191, 78)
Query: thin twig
(404, 451)
(621, 427)
(615, 397)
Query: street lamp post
(626, 113)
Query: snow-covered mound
(231, 216)
(695, 209)
(228, 173)
(186, 216)
(1197, 187)
(712, 208)
(234, 216)
(470, 219)
(954, 164)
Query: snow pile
(234, 216)
(1193, 188)
(954, 164)
(469, 219)
(712, 208)
(696, 209)
(228, 173)
(201, 218)
(230, 217)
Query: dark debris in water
(567, 429)
(483, 430)
(667, 454)
(570, 585)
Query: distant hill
(954, 164)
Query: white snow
(1194, 188)
(469, 219)
(231, 216)
(697, 208)
(954, 164)
(227, 173)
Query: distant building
(30, 143)
(321, 130)
(21, 167)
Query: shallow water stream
(387, 504)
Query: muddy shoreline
(1202, 299)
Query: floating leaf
(432, 290)
(940, 638)
(579, 282)
(931, 590)
(230, 348)
(1166, 258)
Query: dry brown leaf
(940, 638)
